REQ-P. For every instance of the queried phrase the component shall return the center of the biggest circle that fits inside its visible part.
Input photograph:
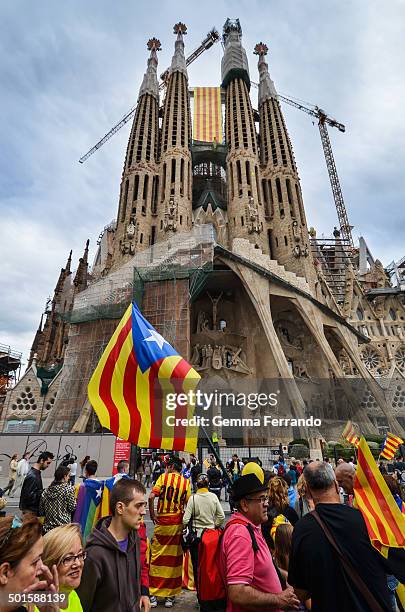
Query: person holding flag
(166, 554)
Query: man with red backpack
(245, 564)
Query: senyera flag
(390, 446)
(384, 520)
(349, 434)
(130, 387)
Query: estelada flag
(390, 445)
(88, 505)
(384, 520)
(130, 387)
(350, 435)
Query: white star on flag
(98, 493)
(155, 337)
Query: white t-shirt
(73, 469)
(23, 468)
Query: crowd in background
(272, 553)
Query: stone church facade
(212, 240)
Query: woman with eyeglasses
(22, 572)
(63, 548)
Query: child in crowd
(281, 554)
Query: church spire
(267, 89)
(80, 280)
(150, 83)
(234, 62)
(69, 262)
(179, 60)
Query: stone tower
(244, 303)
(140, 178)
(287, 228)
(245, 202)
(174, 208)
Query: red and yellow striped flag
(135, 387)
(350, 435)
(384, 520)
(207, 126)
(391, 445)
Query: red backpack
(211, 585)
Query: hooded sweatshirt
(111, 577)
(57, 505)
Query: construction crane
(323, 121)
(211, 38)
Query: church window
(242, 220)
(270, 115)
(149, 126)
(269, 239)
(259, 193)
(163, 183)
(140, 134)
(277, 114)
(145, 187)
(181, 176)
(124, 201)
(175, 108)
(248, 177)
(155, 194)
(239, 175)
(181, 219)
(276, 241)
(173, 177)
(393, 314)
(271, 203)
(231, 180)
(290, 198)
(285, 241)
(141, 238)
(153, 234)
(279, 192)
(360, 314)
(299, 200)
(161, 224)
(136, 187)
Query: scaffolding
(334, 256)
(10, 367)
(162, 280)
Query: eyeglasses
(16, 523)
(263, 499)
(71, 559)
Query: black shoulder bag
(189, 535)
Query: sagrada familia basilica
(211, 239)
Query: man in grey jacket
(111, 580)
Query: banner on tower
(207, 114)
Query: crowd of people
(293, 540)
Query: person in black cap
(246, 565)
(166, 553)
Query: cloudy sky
(70, 70)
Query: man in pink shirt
(250, 576)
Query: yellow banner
(207, 114)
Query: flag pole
(216, 455)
